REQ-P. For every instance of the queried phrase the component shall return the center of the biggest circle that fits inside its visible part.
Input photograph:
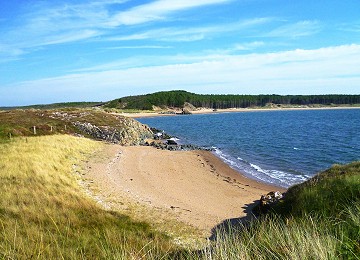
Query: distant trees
(178, 98)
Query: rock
(270, 198)
(267, 201)
(160, 134)
(132, 133)
(171, 142)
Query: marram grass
(45, 214)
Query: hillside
(178, 98)
(57, 105)
(45, 212)
(93, 123)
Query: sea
(281, 147)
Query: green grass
(334, 197)
(319, 219)
(328, 193)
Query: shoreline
(232, 110)
(195, 188)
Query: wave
(254, 171)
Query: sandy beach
(192, 187)
(230, 110)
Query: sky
(81, 50)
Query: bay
(278, 147)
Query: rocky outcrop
(267, 201)
(130, 133)
(175, 147)
(270, 198)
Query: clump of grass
(319, 219)
(274, 239)
(44, 213)
(328, 193)
(334, 197)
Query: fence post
(51, 129)
(65, 127)
(10, 136)
(34, 128)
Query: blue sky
(80, 50)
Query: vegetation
(178, 98)
(319, 219)
(333, 197)
(57, 105)
(21, 122)
(44, 213)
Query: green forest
(177, 98)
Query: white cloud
(247, 46)
(191, 33)
(46, 23)
(140, 47)
(295, 30)
(319, 71)
(157, 10)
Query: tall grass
(318, 219)
(45, 214)
(276, 238)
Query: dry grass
(45, 214)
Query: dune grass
(318, 219)
(45, 214)
(273, 238)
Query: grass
(61, 121)
(57, 105)
(272, 238)
(45, 214)
(319, 219)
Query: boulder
(171, 142)
(267, 201)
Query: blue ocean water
(278, 147)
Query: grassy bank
(319, 219)
(45, 214)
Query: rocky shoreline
(164, 141)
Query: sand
(229, 110)
(191, 187)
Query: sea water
(278, 147)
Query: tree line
(178, 98)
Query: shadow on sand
(235, 223)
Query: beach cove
(191, 187)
